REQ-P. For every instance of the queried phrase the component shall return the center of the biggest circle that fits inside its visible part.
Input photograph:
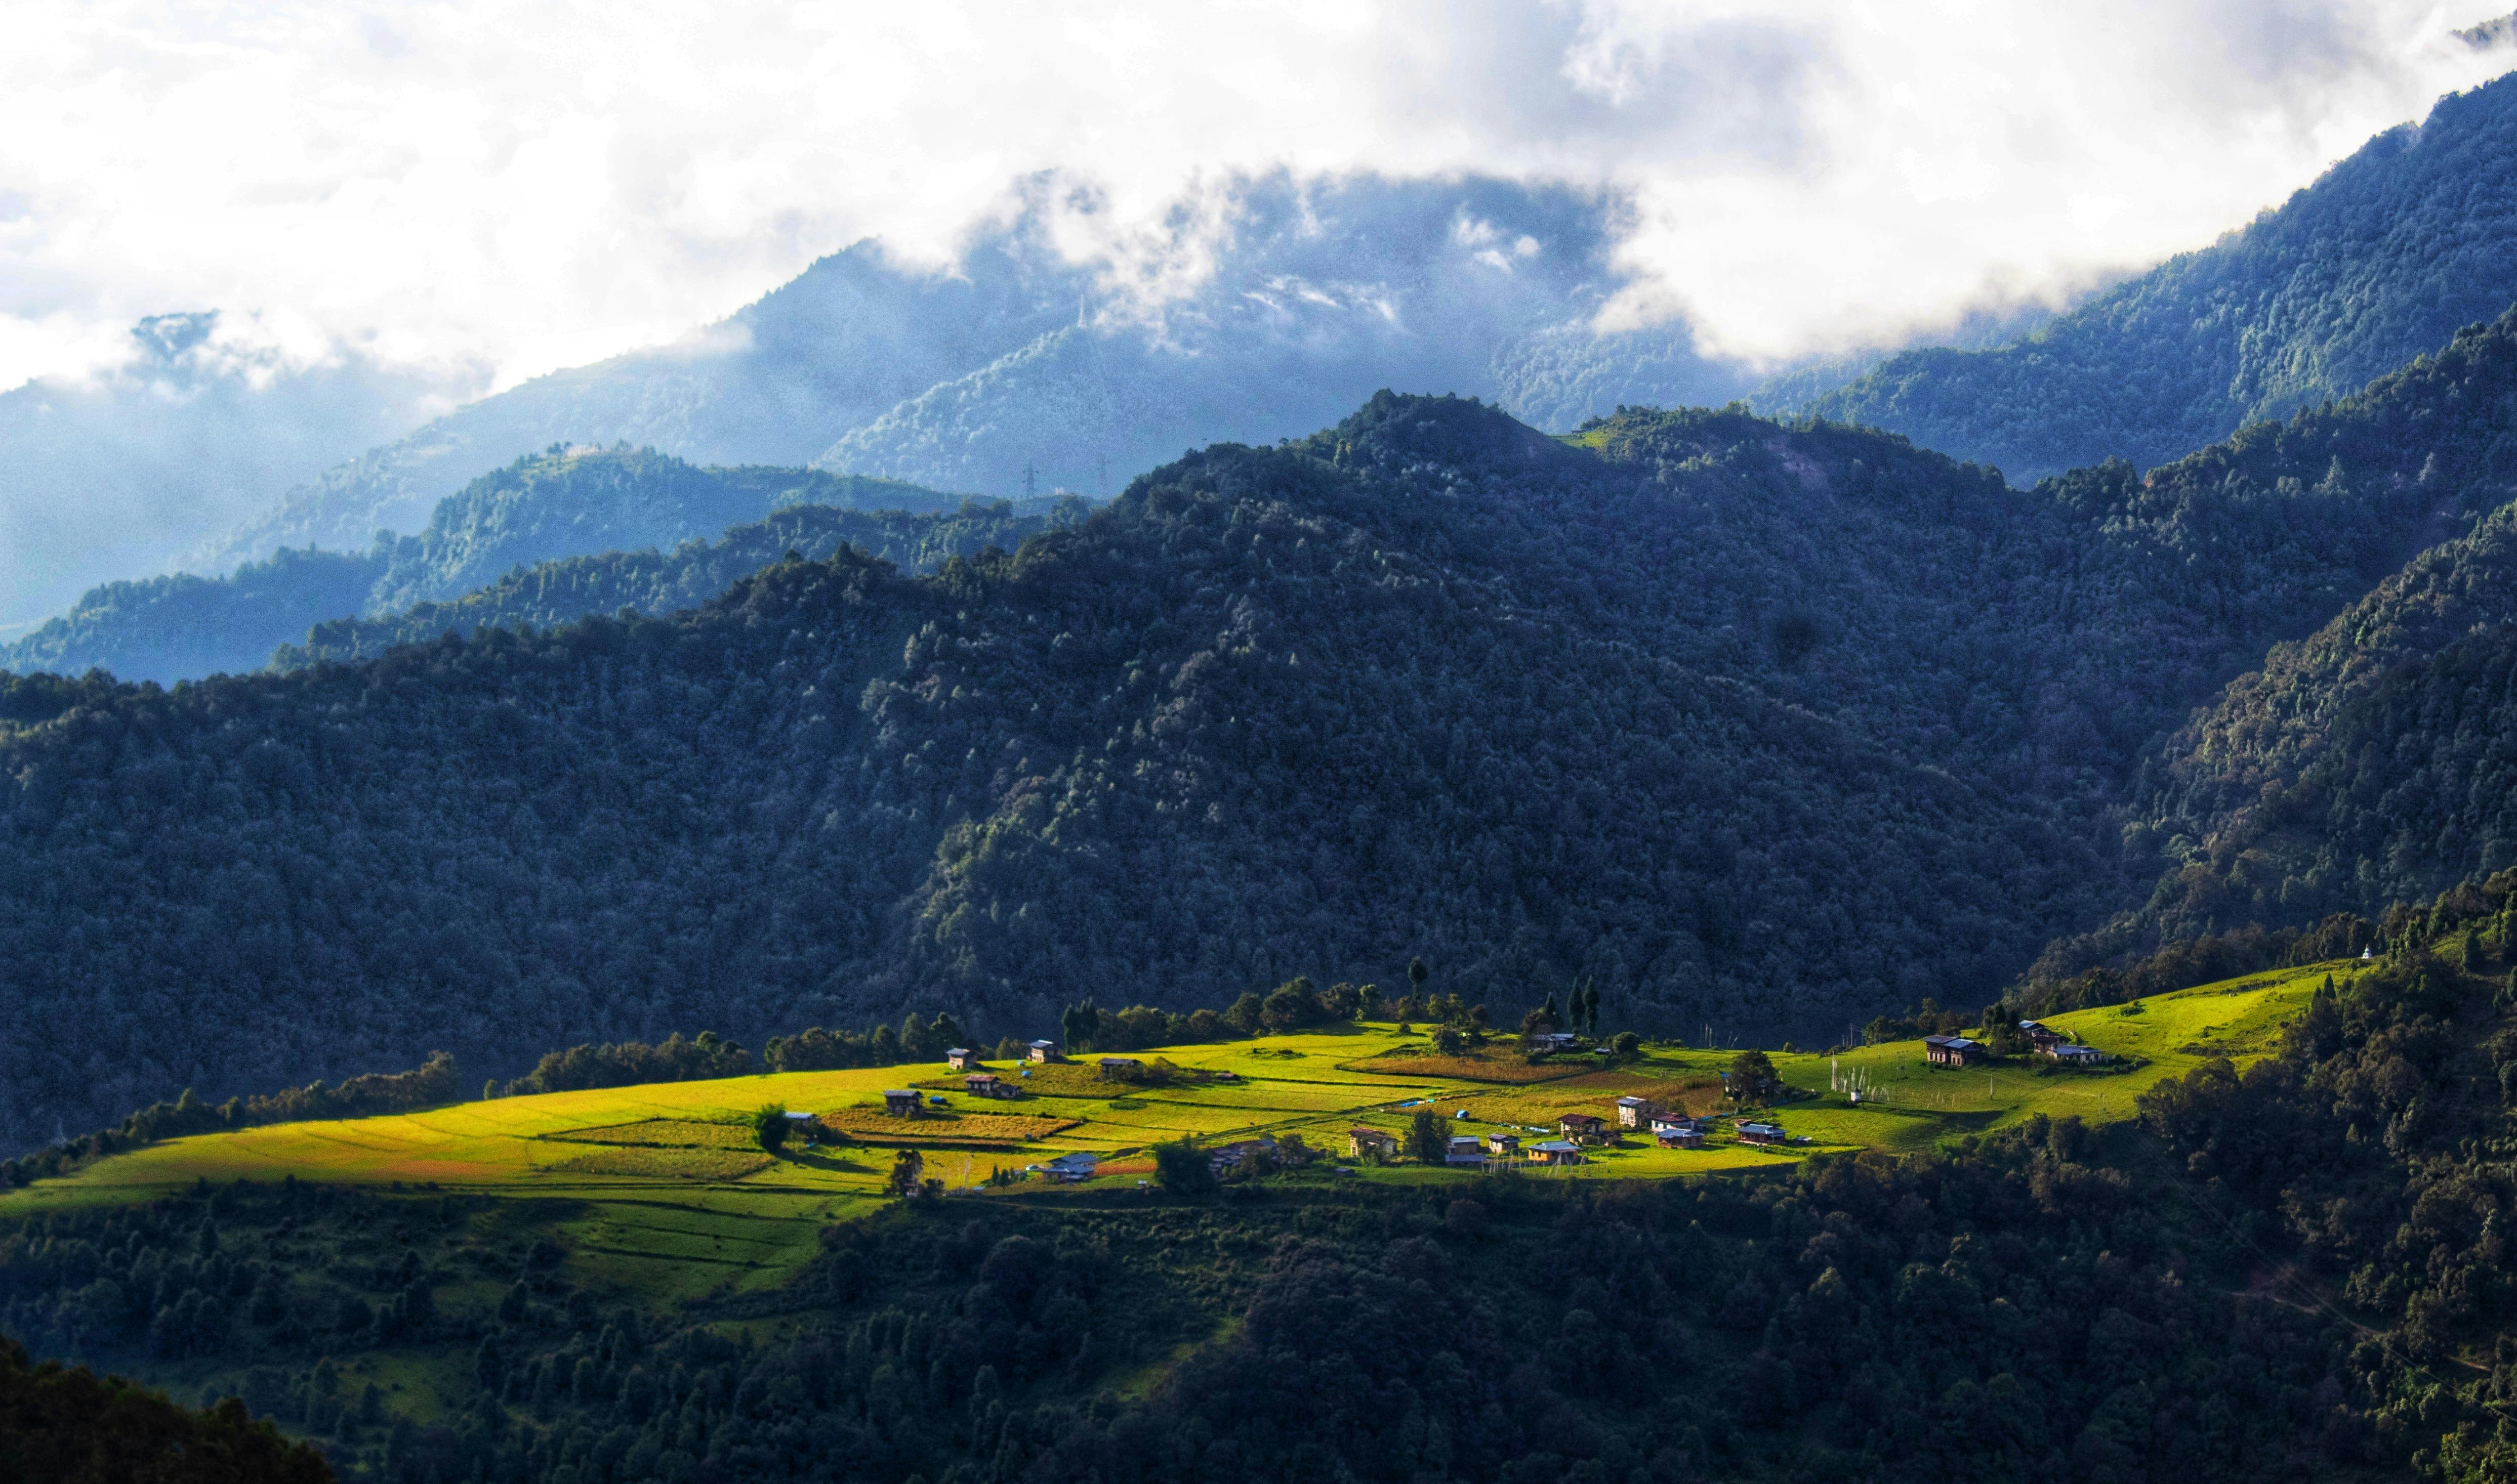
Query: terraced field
(667, 1173)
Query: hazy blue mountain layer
(122, 472)
(634, 504)
(1014, 360)
(2383, 258)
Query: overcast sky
(515, 187)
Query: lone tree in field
(908, 1169)
(1426, 1139)
(1753, 1079)
(770, 1124)
(1183, 1169)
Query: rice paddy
(670, 1173)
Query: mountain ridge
(2382, 258)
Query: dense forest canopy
(2358, 765)
(2380, 260)
(1761, 729)
(2294, 1270)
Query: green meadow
(664, 1187)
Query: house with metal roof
(1952, 1050)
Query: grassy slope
(665, 1242)
(1314, 1085)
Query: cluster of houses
(1576, 1132)
(2045, 1041)
(2042, 1041)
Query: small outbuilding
(989, 1084)
(1117, 1069)
(901, 1102)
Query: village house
(1117, 1069)
(1071, 1167)
(1464, 1148)
(1636, 1111)
(1952, 1050)
(1241, 1153)
(1582, 1127)
(901, 1102)
(1761, 1133)
(1363, 1142)
(1501, 1145)
(961, 1058)
(989, 1084)
(1677, 1130)
(1041, 1051)
(2040, 1036)
(1552, 1040)
(1556, 1152)
(2077, 1056)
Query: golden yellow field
(688, 1144)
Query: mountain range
(650, 512)
(1748, 725)
(1015, 371)
(1755, 724)
(2382, 259)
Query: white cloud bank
(515, 187)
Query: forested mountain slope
(1758, 728)
(2356, 766)
(554, 504)
(651, 581)
(2378, 261)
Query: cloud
(454, 183)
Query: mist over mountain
(1015, 358)
(122, 471)
(651, 513)
(2382, 259)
